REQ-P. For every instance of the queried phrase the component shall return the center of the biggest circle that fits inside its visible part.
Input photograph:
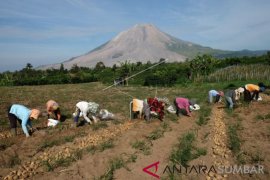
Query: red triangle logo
(151, 173)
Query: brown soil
(254, 134)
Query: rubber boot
(13, 132)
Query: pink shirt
(183, 103)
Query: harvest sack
(104, 114)
(171, 109)
(52, 122)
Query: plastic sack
(52, 122)
(195, 107)
(104, 114)
(171, 109)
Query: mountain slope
(140, 43)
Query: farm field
(121, 148)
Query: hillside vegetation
(165, 74)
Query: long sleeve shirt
(183, 103)
(86, 107)
(22, 113)
(213, 93)
(231, 94)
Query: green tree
(268, 57)
(100, 66)
(28, 66)
(203, 65)
(75, 68)
(62, 69)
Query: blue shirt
(22, 113)
(213, 93)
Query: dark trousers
(77, 115)
(249, 97)
(57, 111)
(13, 120)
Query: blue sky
(50, 31)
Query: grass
(142, 146)
(13, 161)
(5, 143)
(159, 132)
(172, 117)
(62, 162)
(156, 134)
(60, 140)
(114, 164)
(68, 94)
(239, 73)
(91, 149)
(234, 140)
(257, 158)
(166, 126)
(99, 125)
(106, 145)
(260, 117)
(132, 158)
(103, 146)
(185, 151)
(206, 135)
(205, 112)
(201, 121)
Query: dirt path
(161, 150)
(221, 154)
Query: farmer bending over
(84, 108)
(22, 114)
(184, 106)
(53, 109)
(214, 96)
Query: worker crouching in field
(53, 109)
(84, 109)
(22, 114)
(231, 96)
(215, 96)
(252, 91)
(184, 106)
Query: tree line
(165, 74)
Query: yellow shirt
(252, 87)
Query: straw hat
(55, 106)
(35, 113)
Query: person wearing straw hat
(20, 113)
(53, 108)
(215, 96)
